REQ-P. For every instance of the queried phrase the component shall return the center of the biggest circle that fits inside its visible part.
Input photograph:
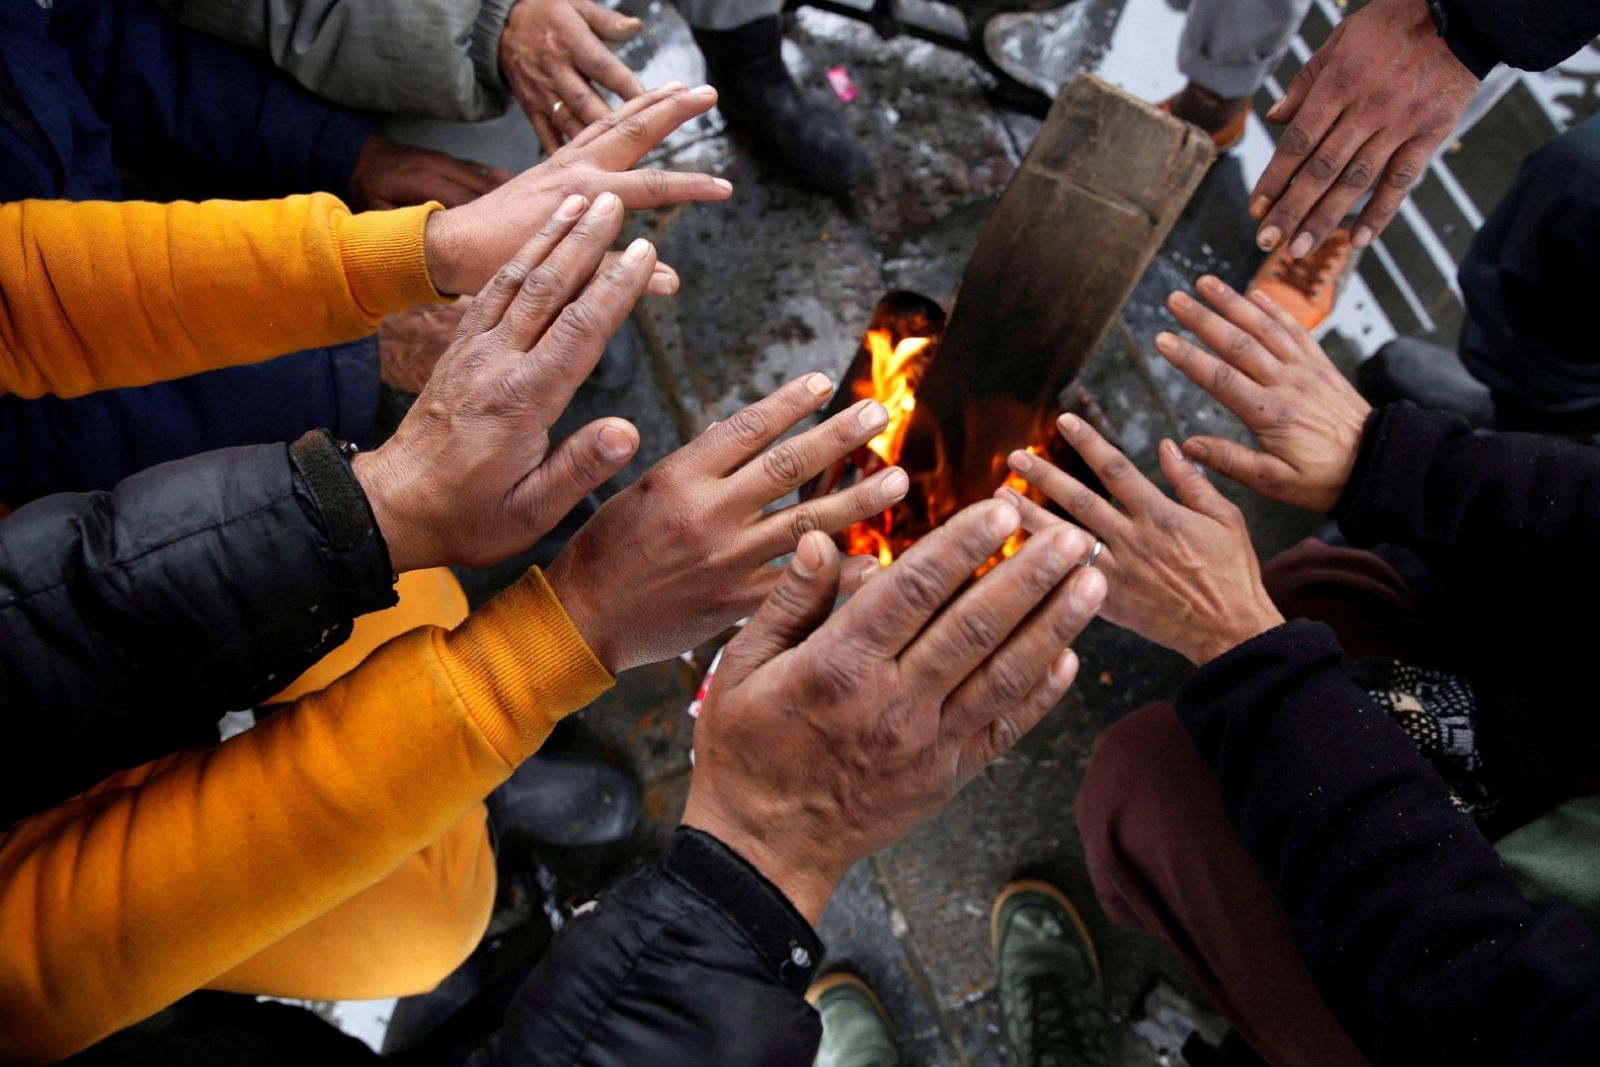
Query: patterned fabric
(1436, 710)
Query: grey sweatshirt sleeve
(433, 58)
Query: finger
(1288, 105)
(581, 464)
(1289, 218)
(1116, 472)
(564, 357)
(1358, 175)
(625, 112)
(601, 67)
(1403, 170)
(651, 187)
(1081, 502)
(970, 630)
(777, 533)
(896, 605)
(1274, 341)
(1004, 680)
(792, 463)
(736, 440)
(549, 139)
(1264, 473)
(611, 25)
(1293, 329)
(583, 104)
(622, 143)
(1034, 517)
(664, 280)
(1015, 723)
(493, 299)
(1233, 390)
(1315, 117)
(799, 601)
(1234, 342)
(552, 283)
(450, 192)
(1194, 490)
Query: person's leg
(1527, 281)
(742, 41)
(1370, 605)
(1229, 47)
(1164, 860)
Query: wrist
(385, 495)
(572, 593)
(806, 884)
(443, 252)
(1225, 635)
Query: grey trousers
(726, 14)
(1230, 46)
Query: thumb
(579, 465)
(799, 603)
(1288, 105)
(608, 25)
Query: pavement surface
(777, 282)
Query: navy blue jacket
(93, 91)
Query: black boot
(757, 96)
(565, 800)
(1429, 377)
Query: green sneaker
(1050, 990)
(855, 1028)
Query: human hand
(1181, 573)
(390, 175)
(683, 553)
(470, 477)
(465, 245)
(1371, 104)
(410, 342)
(550, 53)
(825, 739)
(1271, 374)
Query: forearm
(1409, 923)
(436, 58)
(186, 287)
(1531, 35)
(701, 945)
(117, 903)
(233, 571)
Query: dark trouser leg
(1164, 860)
(1529, 285)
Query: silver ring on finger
(1094, 553)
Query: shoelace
(1309, 274)
(1055, 1013)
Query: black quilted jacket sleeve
(130, 620)
(1528, 34)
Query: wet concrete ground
(777, 282)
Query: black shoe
(758, 97)
(1429, 377)
(620, 361)
(565, 800)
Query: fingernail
(1268, 238)
(1362, 237)
(872, 415)
(572, 207)
(636, 251)
(1069, 424)
(1259, 208)
(1166, 342)
(722, 183)
(604, 204)
(807, 556)
(819, 384)
(868, 568)
(1260, 296)
(1301, 246)
(1003, 520)
(705, 90)
(616, 443)
(1020, 461)
(1211, 285)
(1009, 496)
(1277, 105)
(1179, 300)
(1170, 449)
(895, 484)
(1064, 668)
(1198, 449)
(1088, 590)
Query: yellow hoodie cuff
(385, 261)
(521, 667)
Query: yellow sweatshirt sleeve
(100, 295)
(115, 904)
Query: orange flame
(895, 373)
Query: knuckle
(920, 585)
(1004, 733)
(634, 127)
(1007, 682)
(1345, 78)
(978, 630)
(889, 730)
(801, 520)
(832, 678)
(1239, 343)
(1295, 142)
(578, 319)
(1222, 380)
(747, 426)
(1117, 468)
(657, 181)
(782, 466)
(1083, 502)
(1358, 175)
(1401, 176)
(1322, 167)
